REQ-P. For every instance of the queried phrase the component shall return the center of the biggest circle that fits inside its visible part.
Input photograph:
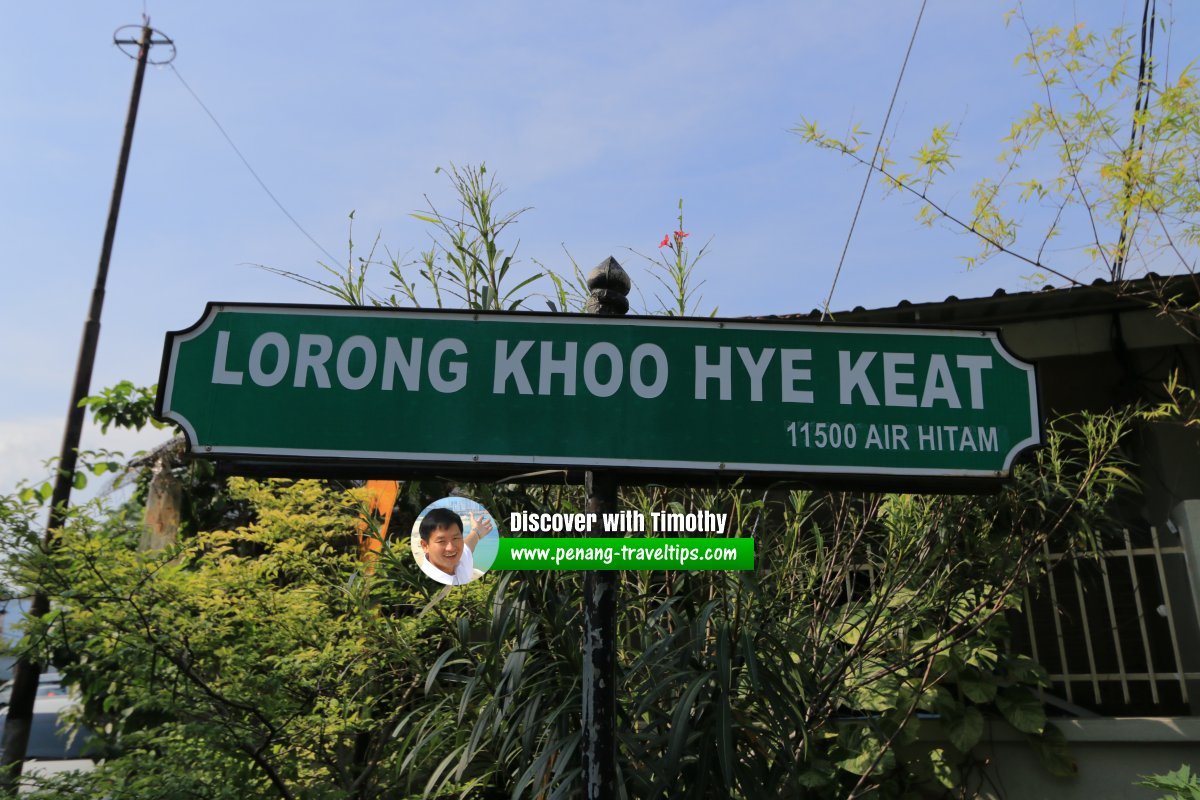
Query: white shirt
(463, 573)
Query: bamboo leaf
(431, 676)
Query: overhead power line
(871, 169)
(260, 181)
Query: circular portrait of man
(454, 540)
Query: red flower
(679, 237)
(665, 241)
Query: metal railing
(1099, 620)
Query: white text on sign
(528, 367)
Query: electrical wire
(871, 169)
(270, 194)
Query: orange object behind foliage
(381, 499)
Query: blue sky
(598, 116)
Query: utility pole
(19, 720)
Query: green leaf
(432, 675)
(1022, 710)
(1181, 783)
(944, 770)
(681, 731)
(1024, 669)
(80, 480)
(815, 778)
(524, 283)
(46, 490)
(881, 694)
(937, 700)
(1052, 751)
(866, 746)
(851, 628)
(978, 687)
(964, 730)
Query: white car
(46, 740)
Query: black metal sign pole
(609, 285)
(25, 673)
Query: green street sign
(392, 392)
